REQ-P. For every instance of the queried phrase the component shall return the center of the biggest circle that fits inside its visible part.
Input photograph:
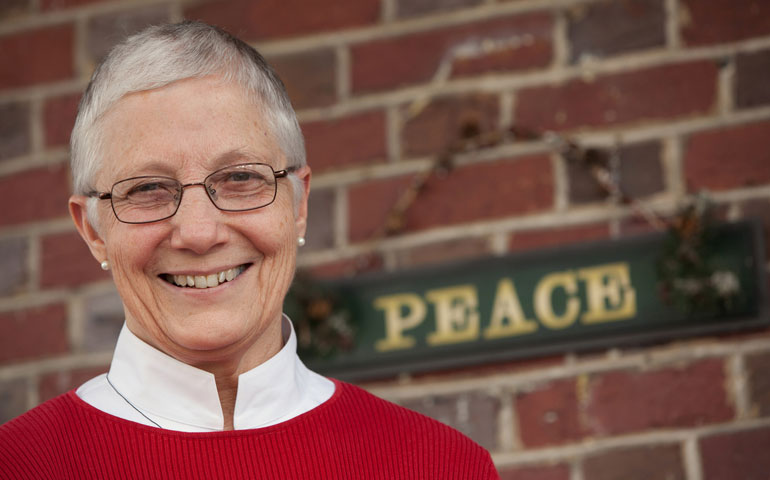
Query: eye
(145, 188)
(242, 176)
(148, 190)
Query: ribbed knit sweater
(353, 435)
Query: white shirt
(177, 396)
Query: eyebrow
(230, 157)
(238, 155)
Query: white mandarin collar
(181, 397)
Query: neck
(227, 387)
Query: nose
(197, 225)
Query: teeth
(208, 281)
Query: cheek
(276, 243)
(132, 250)
(271, 240)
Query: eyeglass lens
(234, 188)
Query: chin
(213, 336)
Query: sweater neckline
(340, 388)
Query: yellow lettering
(609, 293)
(396, 323)
(543, 298)
(457, 316)
(507, 316)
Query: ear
(77, 206)
(300, 220)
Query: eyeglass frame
(283, 173)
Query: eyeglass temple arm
(285, 172)
(99, 195)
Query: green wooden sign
(582, 297)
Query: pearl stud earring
(300, 241)
(105, 265)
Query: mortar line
(54, 364)
(671, 9)
(738, 385)
(692, 460)
(564, 453)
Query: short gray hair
(163, 54)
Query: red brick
(14, 130)
(551, 472)
(59, 118)
(104, 317)
(473, 413)
(667, 91)
(310, 77)
(33, 333)
(415, 8)
(582, 185)
(415, 58)
(14, 8)
(442, 122)
(55, 383)
(348, 267)
(751, 72)
(344, 142)
(469, 193)
(37, 56)
(369, 204)
(705, 22)
(610, 27)
(550, 415)
(496, 368)
(252, 20)
(485, 191)
(38, 194)
(736, 455)
(554, 237)
(671, 397)
(450, 251)
(13, 265)
(321, 219)
(728, 158)
(13, 398)
(641, 169)
(66, 261)
(107, 30)
(636, 463)
(61, 4)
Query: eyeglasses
(236, 188)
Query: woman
(191, 187)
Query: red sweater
(352, 435)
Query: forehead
(187, 127)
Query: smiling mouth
(205, 281)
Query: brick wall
(681, 84)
